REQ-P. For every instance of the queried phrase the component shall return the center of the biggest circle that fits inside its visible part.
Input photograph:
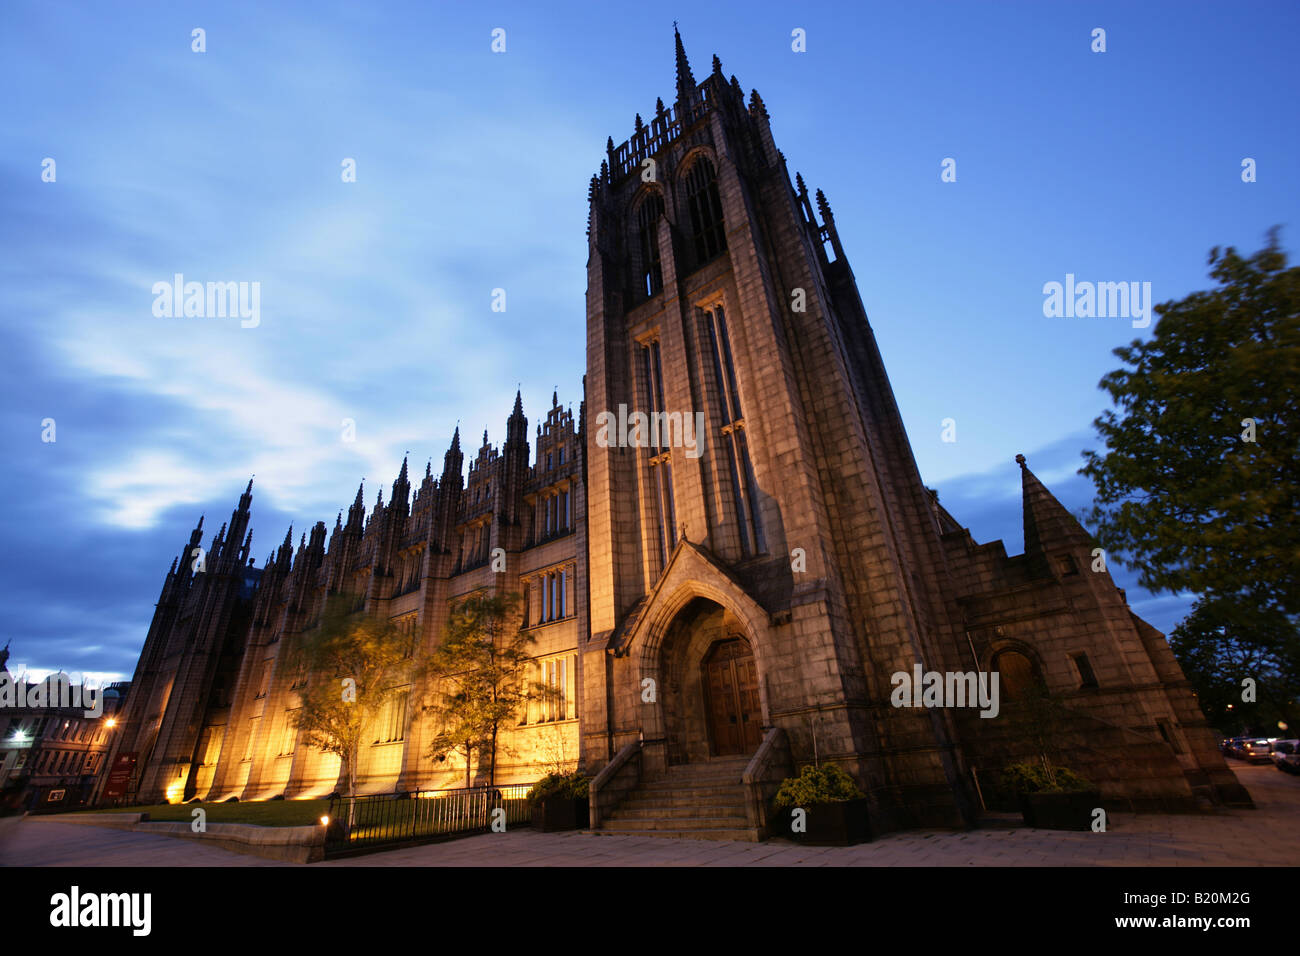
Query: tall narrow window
(647, 226)
(661, 465)
(264, 679)
(253, 723)
(289, 735)
(705, 210)
(1086, 676)
(743, 486)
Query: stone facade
(52, 756)
(212, 718)
(772, 572)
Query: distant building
(51, 756)
(742, 597)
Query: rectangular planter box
(561, 813)
(1060, 811)
(828, 824)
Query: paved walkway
(1266, 836)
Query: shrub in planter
(559, 802)
(1055, 798)
(822, 806)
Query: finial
(685, 79)
(823, 206)
(717, 65)
(638, 125)
(659, 106)
(1020, 460)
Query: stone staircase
(701, 801)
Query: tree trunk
(349, 769)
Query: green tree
(1199, 483)
(353, 664)
(479, 671)
(1184, 494)
(1224, 641)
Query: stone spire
(1048, 524)
(685, 79)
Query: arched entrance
(711, 705)
(730, 683)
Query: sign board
(119, 776)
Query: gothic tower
(776, 573)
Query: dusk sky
(472, 170)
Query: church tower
(776, 571)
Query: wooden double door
(731, 698)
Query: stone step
(694, 789)
(736, 770)
(689, 801)
(679, 823)
(719, 833)
(625, 811)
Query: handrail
(772, 763)
(606, 789)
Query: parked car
(1256, 750)
(1232, 747)
(1286, 755)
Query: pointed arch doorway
(712, 701)
(730, 682)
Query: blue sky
(472, 171)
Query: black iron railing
(421, 816)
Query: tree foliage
(480, 675)
(1225, 641)
(1182, 495)
(366, 650)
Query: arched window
(705, 210)
(1018, 677)
(651, 278)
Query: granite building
(716, 607)
(52, 749)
